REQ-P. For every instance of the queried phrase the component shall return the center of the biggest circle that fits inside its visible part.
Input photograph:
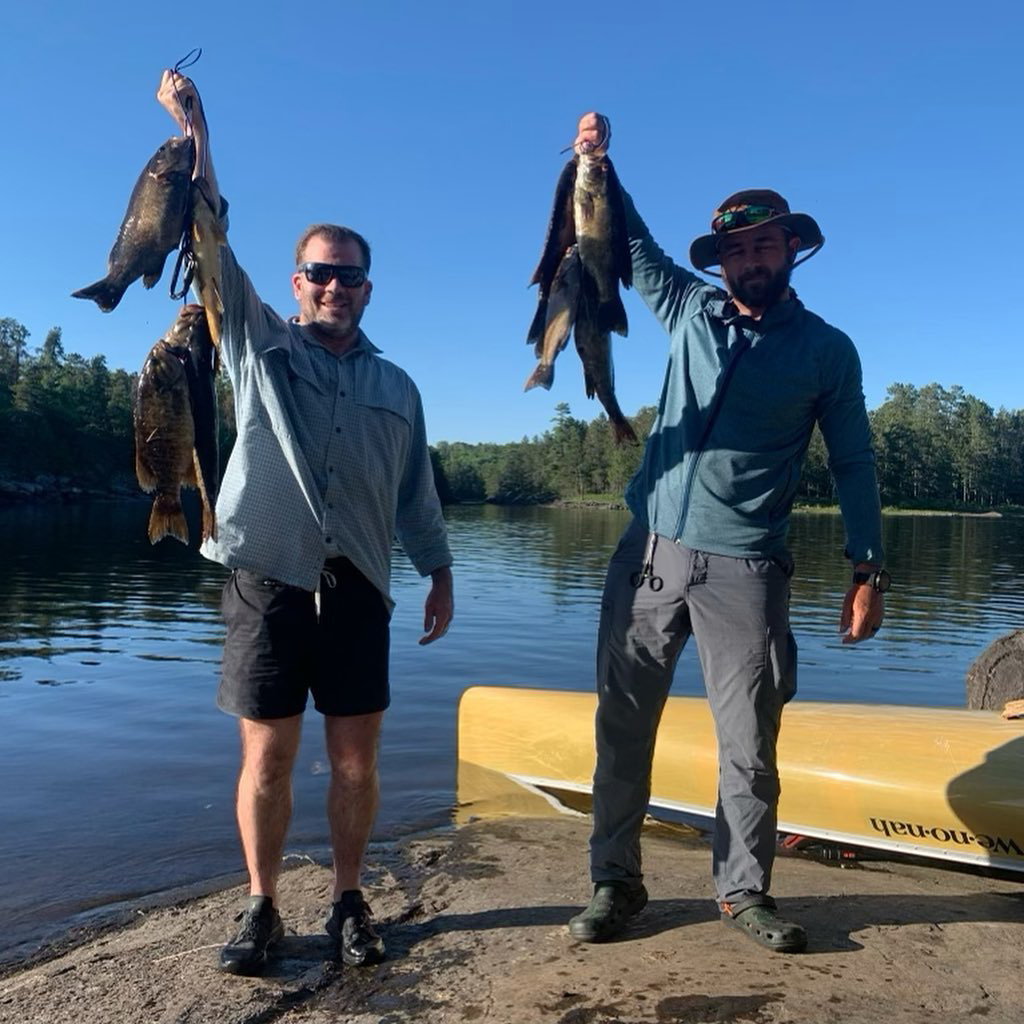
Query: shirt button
(330, 469)
(342, 393)
(330, 505)
(328, 539)
(337, 430)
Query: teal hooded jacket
(737, 410)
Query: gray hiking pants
(738, 611)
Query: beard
(759, 288)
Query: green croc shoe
(758, 918)
(611, 906)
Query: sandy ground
(475, 921)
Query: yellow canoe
(931, 782)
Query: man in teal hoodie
(750, 372)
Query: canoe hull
(933, 782)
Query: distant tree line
(934, 448)
(68, 417)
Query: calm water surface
(118, 772)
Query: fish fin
(542, 377)
(155, 272)
(145, 476)
(561, 228)
(106, 294)
(167, 519)
(620, 233)
(588, 383)
(611, 316)
(536, 333)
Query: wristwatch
(878, 580)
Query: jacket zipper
(705, 434)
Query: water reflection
(109, 653)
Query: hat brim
(704, 250)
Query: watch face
(882, 581)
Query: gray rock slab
(475, 920)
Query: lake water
(118, 772)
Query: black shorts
(278, 649)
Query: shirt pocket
(386, 421)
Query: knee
(267, 769)
(355, 769)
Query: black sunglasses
(747, 216)
(321, 274)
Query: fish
(561, 236)
(594, 345)
(207, 238)
(153, 224)
(599, 213)
(584, 260)
(560, 315)
(176, 425)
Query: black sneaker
(611, 906)
(261, 927)
(349, 926)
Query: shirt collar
(722, 308)
(363, 343)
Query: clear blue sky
(435, 129)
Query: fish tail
(167, 519)
(542, 377)
(106, 294)
(209, 521)
(611, 316)
(207, 499)
(624, 431)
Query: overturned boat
(939, 783)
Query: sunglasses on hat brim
(743, 217)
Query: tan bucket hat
(754, 208)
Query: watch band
(879, 580)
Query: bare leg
(352, 796)
(264, 803)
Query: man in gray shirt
(330, 465)
(750, 372)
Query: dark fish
(201, 370)
(585, 257)
(562, 303)
(176, 425)
(152, 225)
(599, 212)
(594, 345)
(561, 235)
(207, 238)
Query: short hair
(335, 234)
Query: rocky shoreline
(475, 919)
(51, 489)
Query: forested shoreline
(66, 427)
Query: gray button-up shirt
(331, 458)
